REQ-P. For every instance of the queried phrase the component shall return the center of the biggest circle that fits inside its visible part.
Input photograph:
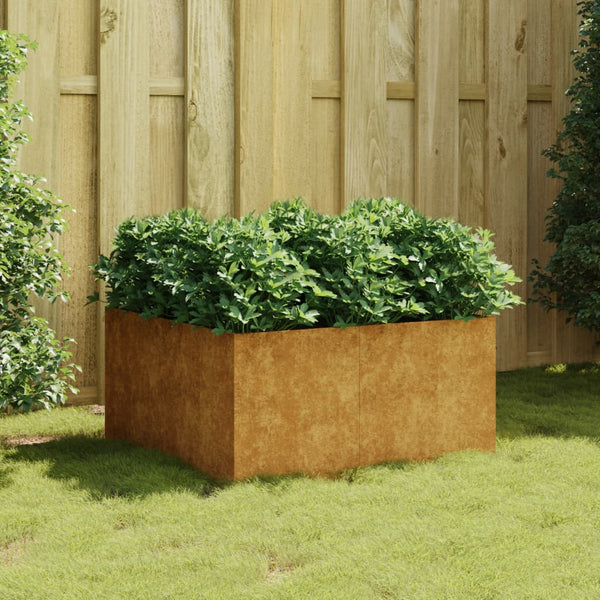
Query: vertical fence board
(78, 52)
(124, 116)
(292, 97)
(472, 209)
(540, 324)
(571, 344)
(80, 243)
(40, 88)
(254, 105)
(166, 154)
(507, 160)
(210, 106)
(167, 38)
(124, 125)
(472, 206)
(472, 41)
(325, 112)
(78, 35)
(364, 33)
(167, 150)
(400, 66)
(437, 107)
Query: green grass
(82, 517)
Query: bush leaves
(378, 262)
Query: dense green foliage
(571, 279)
(34, 367)
(378, 262)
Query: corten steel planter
(314, 400)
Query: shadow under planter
(312, 400)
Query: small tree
(571, 279)
(33, 363)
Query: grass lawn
(81, 517)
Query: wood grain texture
(78, 37)
(400, 93)
(539, 33)
(326, 88)
(571, 344)
(539, 93)
(292, 100)
(364, 150)
(472, 207)
(472, 42)
(124, 127)
(540, 324)
(437, 114)
(210, 107)
(79, 85)
(78, 170)
(507, 160)
(253, 105)
(167, 37)
(400, 50)
(39, 88)
(400, 90)
(124, 113)
(325, 115)
(166, 154)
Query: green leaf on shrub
(378, 262)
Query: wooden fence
(142, 106)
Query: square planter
(313, 400)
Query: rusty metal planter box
(314, 400)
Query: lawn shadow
(110, 469)
(4, 476)
(556, 401)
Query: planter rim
(304, 329)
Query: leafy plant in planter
(34, 367)
(571, 279)
(378, 262)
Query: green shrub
(378, 262)
(571, 279)
(33, 364)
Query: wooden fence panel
(228, 105)
(254, 105)
(78, 173)
(507, 159)
(364, 148)
(209, 166)
(124, 125)
(472, 207)
(437, 64)
(166, 119)
(400, 126)
(292, 96)
(325, 112)
(540, 324)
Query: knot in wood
(108, 19)
(521, 36)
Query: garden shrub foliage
(378, 262)
(34, 367)
(571, 279)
